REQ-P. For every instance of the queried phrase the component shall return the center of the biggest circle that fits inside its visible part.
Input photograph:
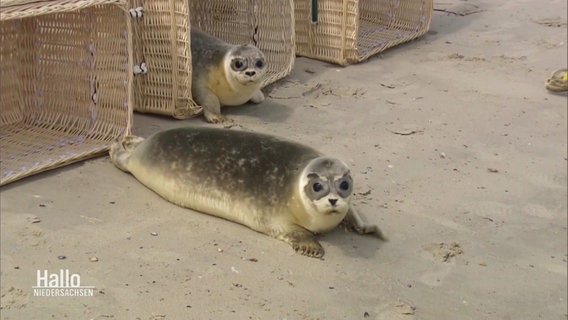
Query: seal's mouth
(249, 82)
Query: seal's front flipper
(210, 103)
(303, 242)
(355, 221)
(257, 97)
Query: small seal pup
(280, 188)
(224, 74)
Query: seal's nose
(333, 201)
(250, 73)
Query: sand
(458, 152)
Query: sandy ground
(459, 155)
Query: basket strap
(314, 11)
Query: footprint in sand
(488, 209)
(22, 229)
(495, 213)
(547, 180)
(537, 210)
(395, 310)
(13, 298)
(444, 253)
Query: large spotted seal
(224, 74)
(280, 188)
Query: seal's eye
(238, 64)
(259, 63)
(317, 187)
(344, 185)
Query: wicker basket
(350, 31)
(268, 24)
(161, 41)
(65, 82)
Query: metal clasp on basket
(141, 68)
(136, 12)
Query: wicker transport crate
(268, 24)
(65, 82)
(350, 31)
(161, 37)
(161, 40)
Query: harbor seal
(280, 188)
(224, 74)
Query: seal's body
(224, 74)
(280, 188)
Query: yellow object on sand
(558, 81)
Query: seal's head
(326, 187)
(246, 64)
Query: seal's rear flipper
(121, 149)
(355, 221)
